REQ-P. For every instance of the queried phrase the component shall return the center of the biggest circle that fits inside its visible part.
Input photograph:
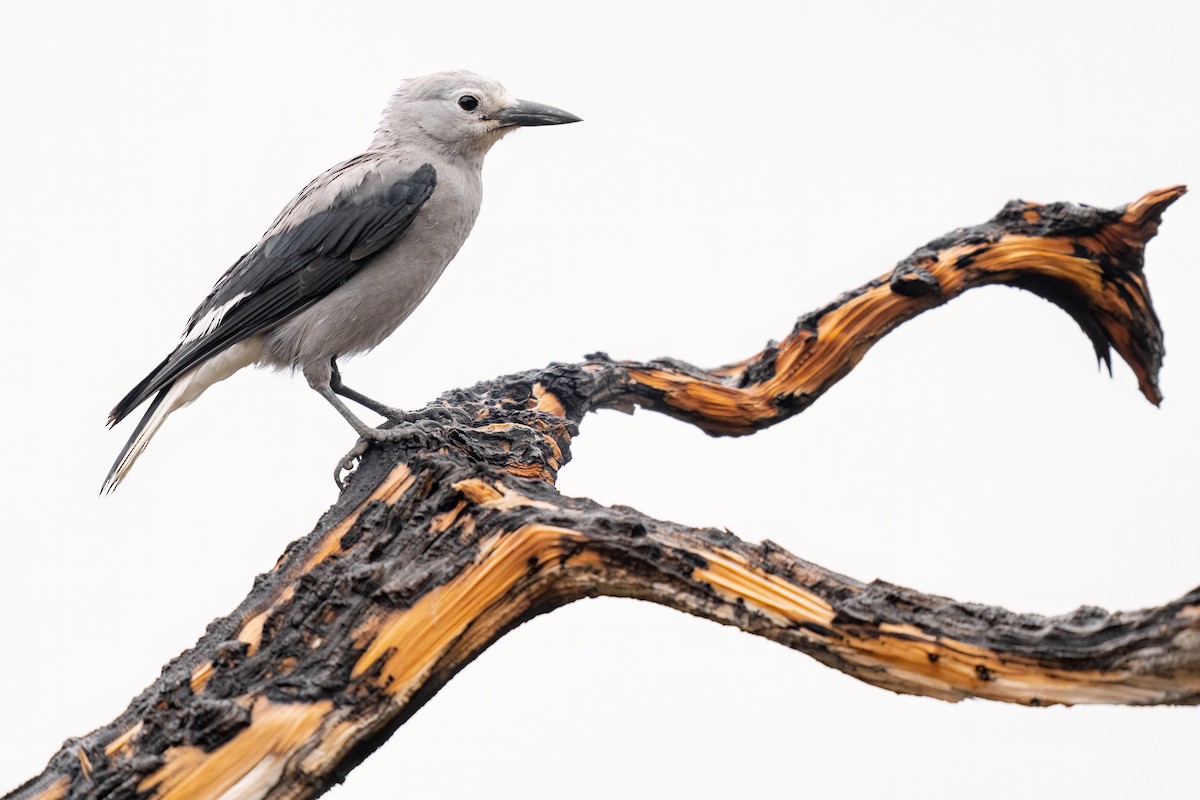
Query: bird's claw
(405, 430)
(349, 463)
(440, 414)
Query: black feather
(292, 270)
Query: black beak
(527, 113)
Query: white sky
(739, 164)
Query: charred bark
(439, 546)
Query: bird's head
(460, 113)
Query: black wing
(289, 271)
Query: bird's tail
(179, 393)
(166, 401)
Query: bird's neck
(412, 139)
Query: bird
(347, 260)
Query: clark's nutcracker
(348, 259)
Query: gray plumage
(349, 258)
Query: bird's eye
(468, 102)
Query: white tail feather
(145, 432)
(186, 388)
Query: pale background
(739, 164)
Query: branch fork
(443, 542)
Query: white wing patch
(206, 324)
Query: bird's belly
(366, 309)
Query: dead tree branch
(439, 546)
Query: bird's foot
(396, 415)
(348, 464)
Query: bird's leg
(336, 385)
(363, 429)
(366, 436)
(405, 429)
